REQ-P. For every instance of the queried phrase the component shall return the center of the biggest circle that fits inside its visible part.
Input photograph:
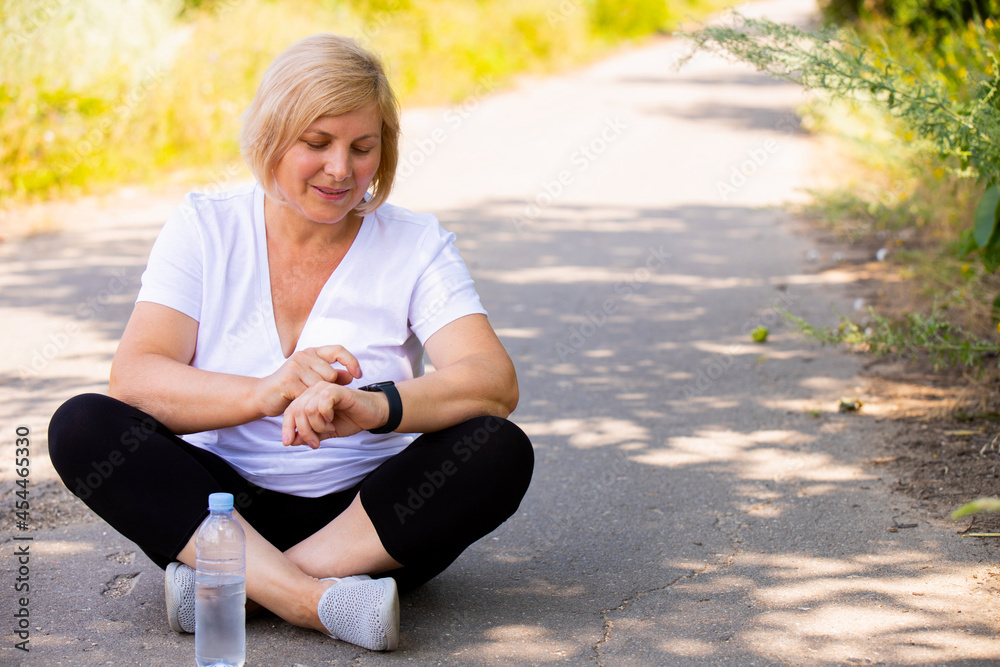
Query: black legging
(428, 503)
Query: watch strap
(395, 405)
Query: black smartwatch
(395, 405)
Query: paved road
(697, 498)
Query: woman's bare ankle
(307, 615)
(298, 608)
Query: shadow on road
(697, 497)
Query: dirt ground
(946, 448)
(946, 452)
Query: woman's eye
(315, 147)
(362, 151)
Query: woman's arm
(473, 377)
(151, 371)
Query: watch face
(377, 386)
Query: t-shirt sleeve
(173, 275)
(444, 291)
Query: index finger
(338, 353)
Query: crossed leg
(290, 584)
(424, 505)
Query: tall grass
(929, 87)
(75, 81)
(908, 191)
(94, 92)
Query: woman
(280, 328)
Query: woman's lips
(331, 193)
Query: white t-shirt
(401, 280)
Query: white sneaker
(180, 593)
(362, 611)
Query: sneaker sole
(172, 593)
(390, 610)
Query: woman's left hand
(327, 410)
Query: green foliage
(70, 89)
(100, 91)
(985, 216)
(930, 17)
(190, 6)
(615, 18)
(945, 343)
(943, 91)
(986, 232)
(840, 63)
(976, 506)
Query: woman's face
(328, 169)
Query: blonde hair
(322, 75)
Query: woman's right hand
(302, 370)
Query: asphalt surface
(697, 500)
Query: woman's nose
(338, 165)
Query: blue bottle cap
(220, 502)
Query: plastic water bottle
(220, 584)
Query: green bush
(70, 89)
(931, 17)
(962, 126)
(628, 19)
(942, 94)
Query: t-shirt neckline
(264, 272)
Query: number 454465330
(22, 466)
